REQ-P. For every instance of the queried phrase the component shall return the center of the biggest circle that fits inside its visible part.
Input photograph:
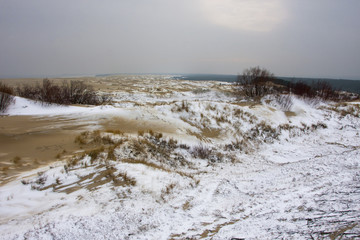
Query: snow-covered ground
(225, 170)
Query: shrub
(320, 89)
(201, 151)
(325, 90)
(302, 89)
(6, 97)
(6, 89)
(264, 132)
(254, 82)
(285, 102)
(73, 92)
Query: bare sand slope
(27, 142)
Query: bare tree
(324, 90)
(254, 82)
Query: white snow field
(221, 169)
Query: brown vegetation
(73, 92)
(256, 82)
(6, 97)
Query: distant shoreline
(338, 84)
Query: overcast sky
(303, 38)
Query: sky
(294, 38)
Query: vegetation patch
(6, 97)
(103, 174)
(66, 92)
(184, 106)
(347, 109)
(255, 83)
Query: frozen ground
(219, 170)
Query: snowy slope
(267, 174)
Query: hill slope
(213, 168)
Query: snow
(24, 106)
(301, 184)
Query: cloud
(248, 15)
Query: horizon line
(79, 75)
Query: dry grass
(208, 233)
(211, 107)
(114, 131)
(186, 206)
(82, 139)
(148, 145)
(94, 138)
(263, 132)
(339, 234)
(111, 153)
(126, 179)
(16, 160)
(59, 155)
(184, 106)
(95, 153)
(201, 151)
(149, 148)
(167, 191)
(104, 174)
(348, 109)
(221, 118)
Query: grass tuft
(201, 151)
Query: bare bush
(254, 82)
(302, 89)
(28, 91)
(201, 151)
(6, 97)
(285, 102)
(325, 91)
(320, 89)
(73, 92)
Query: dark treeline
(257, 82)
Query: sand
(28, 142)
